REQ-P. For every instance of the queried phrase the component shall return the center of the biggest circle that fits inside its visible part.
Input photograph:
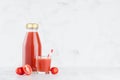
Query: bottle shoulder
(32, 37)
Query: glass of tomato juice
(43, 64)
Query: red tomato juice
(43, 64)
(31, 49)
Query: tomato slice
(27, 69)
(54, 70)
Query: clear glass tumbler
(43, 64)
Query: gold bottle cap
(32, 26)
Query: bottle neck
(32, 30)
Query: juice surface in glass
(31, 46)
(43, 64)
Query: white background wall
(83, 33)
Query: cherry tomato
(20, 71)
(27, 69)
(54, 70)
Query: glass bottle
(31, 45)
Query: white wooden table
(75, 73)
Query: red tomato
(54, 70)
(19, 71)
(27, 69)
